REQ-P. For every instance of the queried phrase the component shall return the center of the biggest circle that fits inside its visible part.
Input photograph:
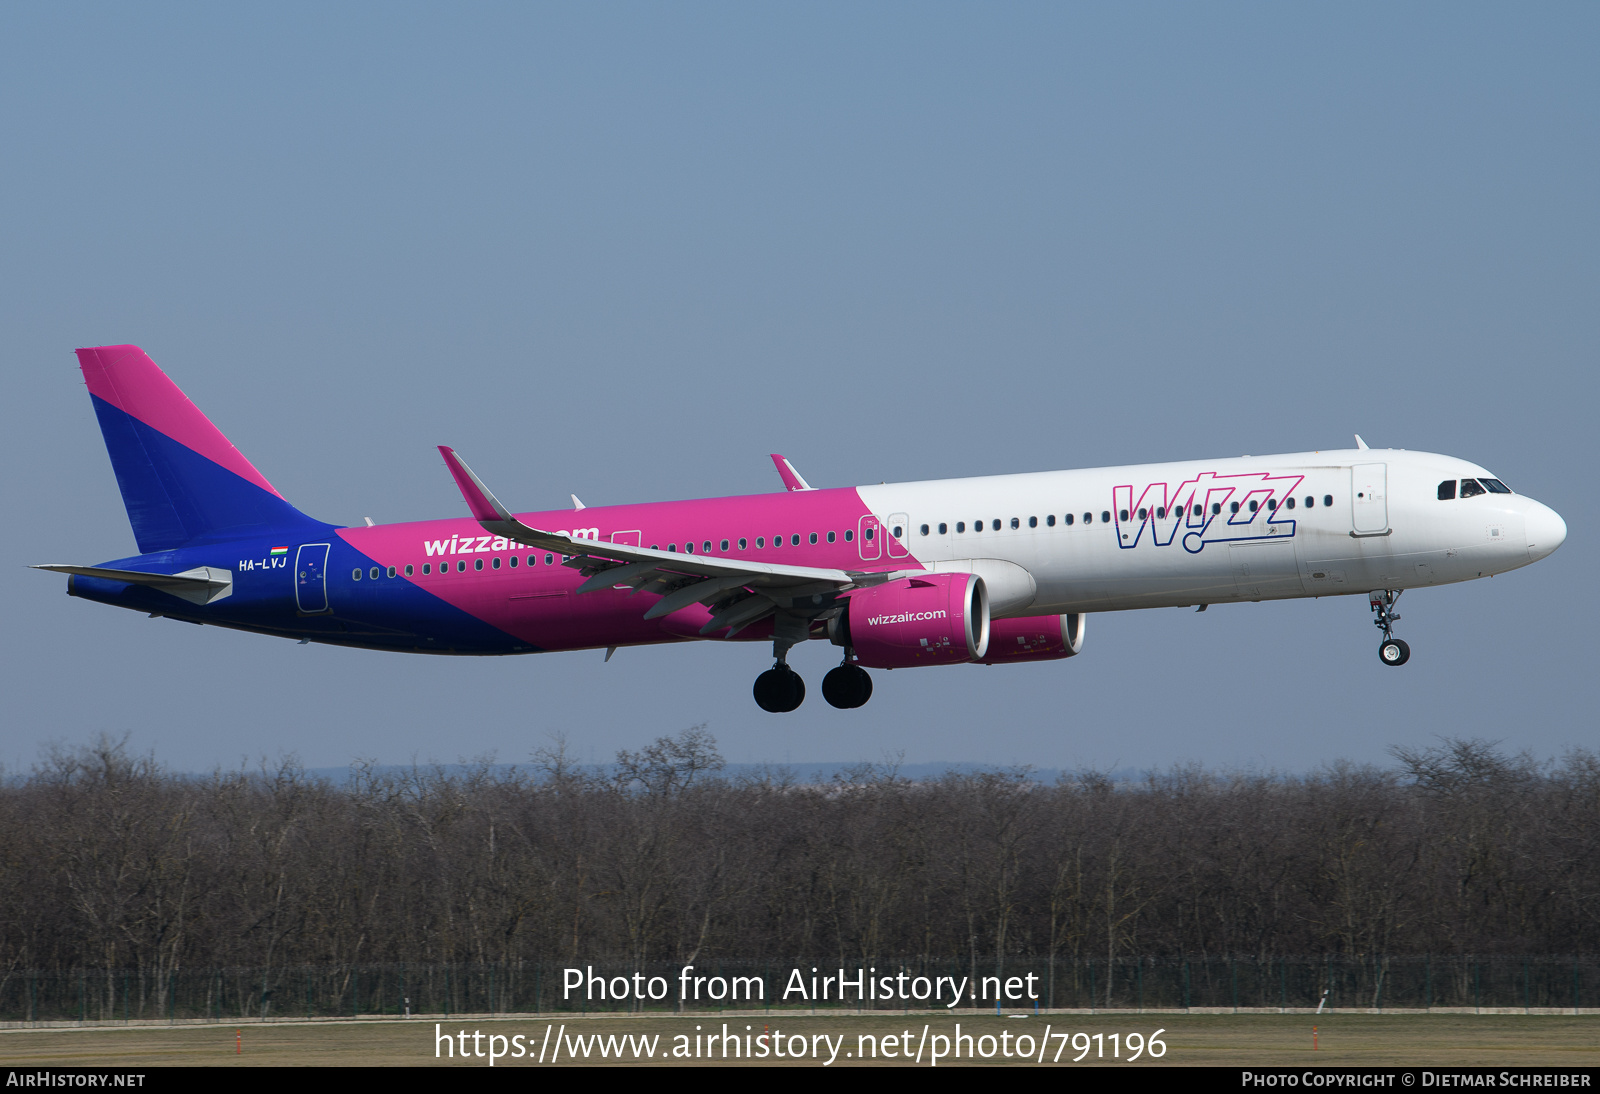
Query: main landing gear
(848, 686)
(1392, 650)
(780, 689)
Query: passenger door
(1369, 498)
(311, 578)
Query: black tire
(779, 690)
(1394, 652)
(847, 687)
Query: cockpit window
(1471, 489)
(1447, 490)
(1496, 486)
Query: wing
(739, 592)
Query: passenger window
(1253, 505)
(1105, 516)
(1088, 518)
(409, 571)
(706, 549)
(1015, 523)
(427, 568)
(1198, 510)
(496, 563)
(813, 538)
(761, 542)
(461, 566)
(549, 560)
(1050, 521)
(1068, 518)
(688, 548)
(1447, 490)
(1033, 522)
(744, 544)
(1471, 489)
(1233, 507)
(944, 529)
(1290, 503)
(1122, 514)
(997, 525)
(514, 561)
(724, 545)
(869, 535)
(961, 526)
(355, 575)
(849, 535)
(899, 532)
(833, 537)
(375, 573)
(1272, 505)
(794, 540)
(477, 564)
(1496, 486)
(391, 571)
(1161, 512)
(1327, 499)
(924, 529)
(1143, 513)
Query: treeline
(108, 862)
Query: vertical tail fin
(181, 479)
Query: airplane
(993, 570)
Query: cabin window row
(1161, 513)
(444, 567)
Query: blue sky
(627, 250)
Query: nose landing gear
(1392, 650)
(848, 686)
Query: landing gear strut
(780, 689)
(848, 686)
(1392, 650)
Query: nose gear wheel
(1391, 651)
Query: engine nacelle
(937, 619)
(1034, 638)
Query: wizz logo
(1208, 508)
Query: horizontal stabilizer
(201, 585)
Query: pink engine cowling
(1034, 638)
(939, 619)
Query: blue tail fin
(181, 479)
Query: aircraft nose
(1546, 531)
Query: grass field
(1222, 1039)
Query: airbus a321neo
(995, 570)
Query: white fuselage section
(1211, 531)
